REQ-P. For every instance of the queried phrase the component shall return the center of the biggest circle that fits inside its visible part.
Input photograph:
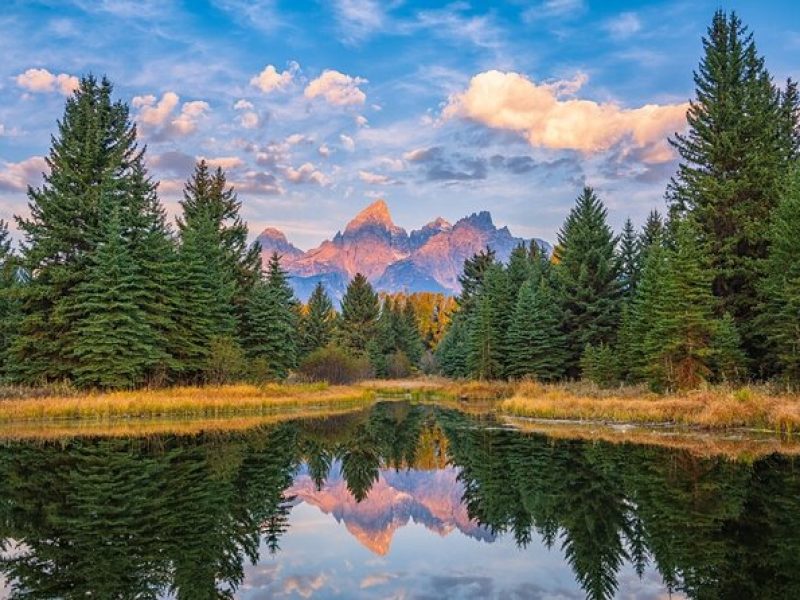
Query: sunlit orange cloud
(548, 117)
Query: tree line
(711, 292)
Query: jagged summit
(427, 259)
(375, 213)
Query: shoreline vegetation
(50, 412)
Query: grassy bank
(712, 408)
(182, 402)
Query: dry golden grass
(210, 401)
(746, 448)
(719, 407)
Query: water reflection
(399, 500)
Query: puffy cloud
(361, 121)
(42, 80)
(375, 178)
(160, 115)
(243, 105)
(270, 80)
(296, 138)
(324, 150)
(224, 162)
(16, 177)
(511, 101)
(306, 173)
(248, 118)
(348, 142)
(337, 88)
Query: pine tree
(360, 311)
(318, 321)
(653, 233)
(536, 345)
(9, 304)
(781, 286)
(520, 267)
(599, 365)
(113, 342)
(272, 324)
(629, 255)
(472, 274)
(739, 145)
(410, 340)
(453, 350)
(729, 362)
(205, 311)
(588, 277)
(384, 341)
(93, 157)
(207, 196)
(485, 341)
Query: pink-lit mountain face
(427, 259)
(430, 498)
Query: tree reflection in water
(181, 515)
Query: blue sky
(317, 108)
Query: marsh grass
(209, 401)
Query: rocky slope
(427, 259)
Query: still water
(396, 501)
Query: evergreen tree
(360, 311)
(520, 267)
(629, 255)
(318, 321)
(94, 160)
(588, 274)
(9, 304)
(599, 365)
(472, 274)
(781, 286)
(729, 362)
(453, 350)
(536, 345)
(410, 340)
(484, 360)
(740, 144)
(113, 345)
(272, 325)
(207, 196)
(205, 311)
(384, 341)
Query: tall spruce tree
(781, 286)
(94, 162)
(114, 344)
(536, 344)
(588, 276)
(207, 196)
(360, 312)
(453, 350)
(9, 304)
(629, 255)
(486, 343)
(740, 143)
(318, 321)
(272, 322)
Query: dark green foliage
(318, 322)
(272, 322)
(226, 361)
(599, 365)
(207, 196)
(536, 345)
(335, 365)
(113, 345)
(471, 277)
(9, 303)
(205, 310)
(629, 256)
(488, 325)
(360, 311)
(740, 144)
(520, 267)
(588, 276)
(781, 286)
(729, 362)
(94, 167)
(453, 350)
(397, 339)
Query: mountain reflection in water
(396, 501)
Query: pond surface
(396, 501)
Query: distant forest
(105, 292)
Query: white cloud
(624, 25)
(248, 118)
(554, 9)
(375, 178)
(296, 138)
(359, 18)
(270, 80)
(337, 88)
(159, 115)
(243, 105)
(511, 101)
(361, 121)
(348, 142)
(18, 176)
(42, 80)
(306, 173)
(224, 162)
(324, 150)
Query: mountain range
(428, 259)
